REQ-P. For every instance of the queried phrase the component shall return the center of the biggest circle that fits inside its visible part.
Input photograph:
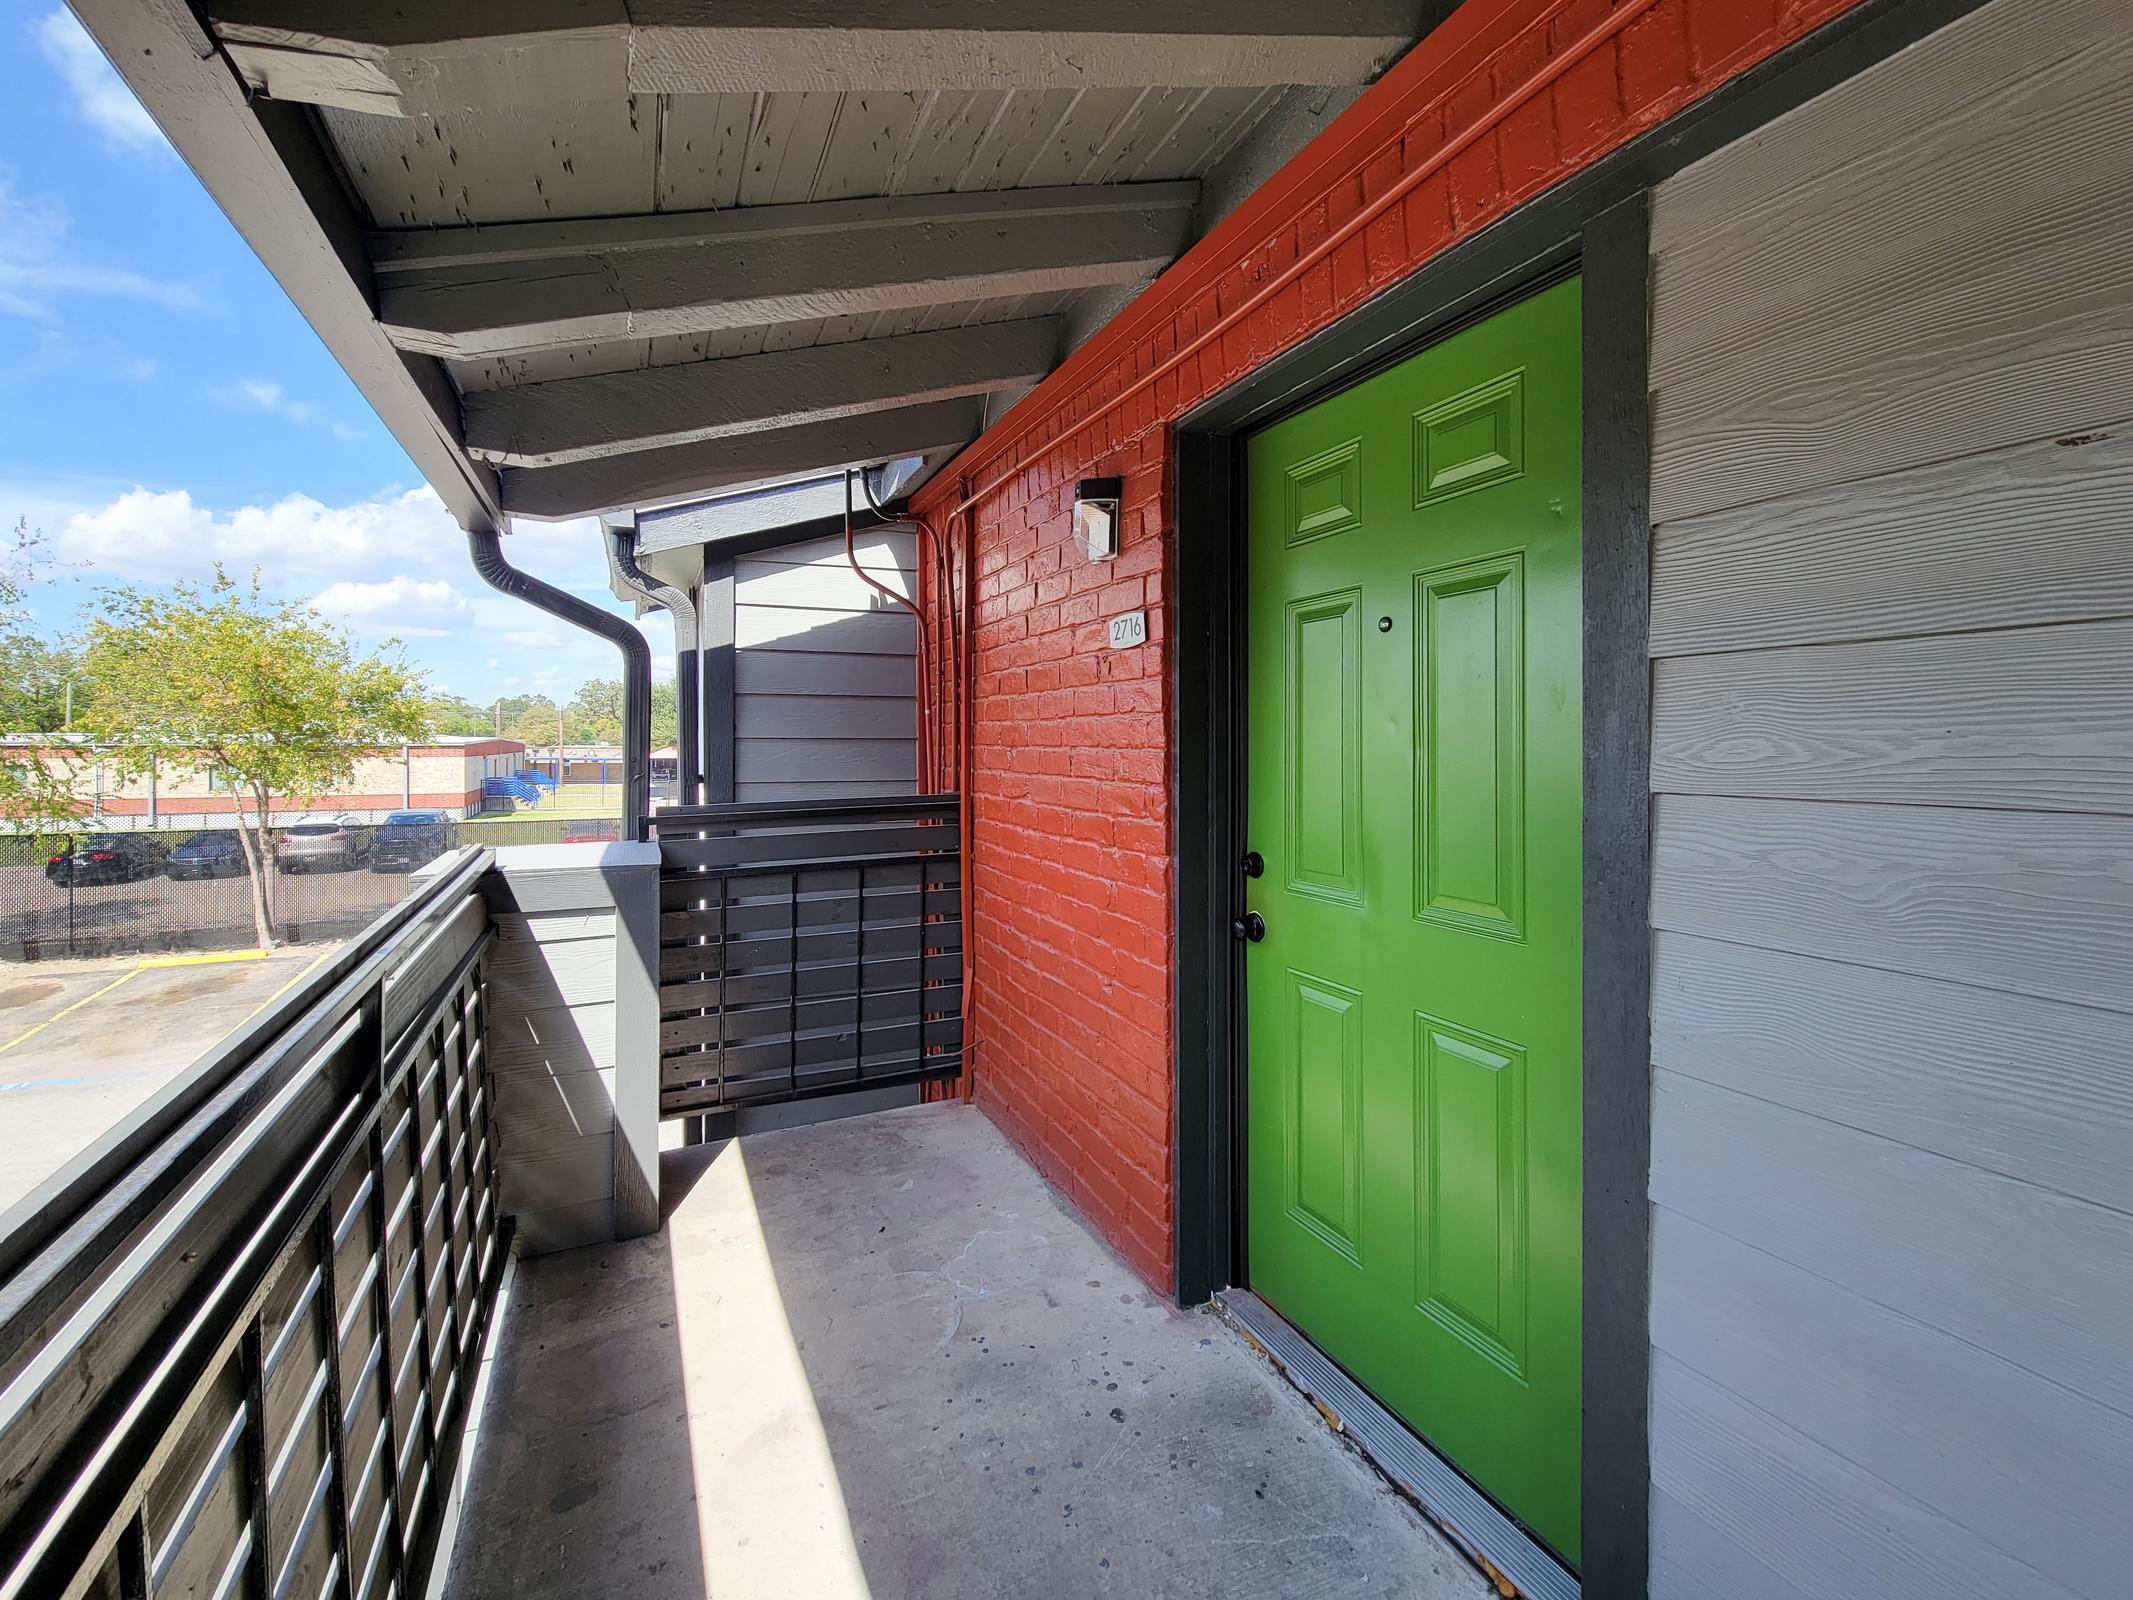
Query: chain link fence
(55, 904)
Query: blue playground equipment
(513, 788)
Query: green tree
(666, 714)
(35, 795)
(535, 725)
(449, 713)
(267, 694)
(594, 715)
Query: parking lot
(40, 919)
(84, 1042)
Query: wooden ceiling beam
(467, 293)
(407, 59)
(582, 419)
(676, 472)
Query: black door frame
(1595, 223)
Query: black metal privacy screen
(807, 949)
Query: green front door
(1415, 738)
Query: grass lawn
(576, 802)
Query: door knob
(1254, 864)
(1251, 927)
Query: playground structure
(528, 786)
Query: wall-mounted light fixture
(1096, 517)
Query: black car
(409, 839)
(212, 853)
(107, 858)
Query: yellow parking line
(208, 959)
(130, 972)
(317, 961)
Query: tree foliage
(266, 694)
(535, 725)
(594, 715)
(452, 714)
(36, 794)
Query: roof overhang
(593, 254)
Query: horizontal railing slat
(799, 813)
(217, 1241)
(808, 947)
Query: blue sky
(163, 405)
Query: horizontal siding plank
(554, 927)
(2033, 719)
(840, 762)
(1746, 1508)
(815, 629)
(546, 1039)
(542, 1108)
(827, 588)
(2028, 1466)
(537, 977)
(2027, 1088)
(558, 1172)
(2028, 167)
(875, 547)
(565, 1227)
(2042, 1280)
(2037, 904)
(1897, 105)
(1906, 379)
(805, 716)
(1927, 298)
(824, 673)
(2038, 533)
(820, 791)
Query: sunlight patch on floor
(770, 1510)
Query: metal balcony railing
(238, 1336)
(807, 949)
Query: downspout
(688, 719)
(487, 550)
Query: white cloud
(301, 543)
(263, 395)
(405, 606)
(99, 93)
(394, 564)
(35, 269)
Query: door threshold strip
(1502, 1548)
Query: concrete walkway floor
(880, 1357)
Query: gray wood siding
(825, 681)
(1892, 750)
(573, 1045)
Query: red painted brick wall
(1072, 846)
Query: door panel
(1414, 1099)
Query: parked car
(107, 858)
(409, 839)
(335, 846)
(211, 853)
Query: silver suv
(335, 846)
